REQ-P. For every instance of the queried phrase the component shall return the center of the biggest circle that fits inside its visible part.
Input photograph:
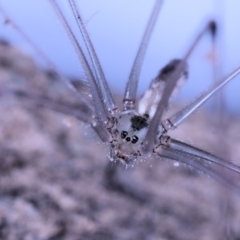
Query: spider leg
(81, 114)
(187, 148)
(66, 81)
(46, 102)
(195, 162)
(131, 87)
(190, 108)
(99, 109)
(170, 85)
(216, 61)
(97, 126)
(106, 94)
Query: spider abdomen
(148, 103)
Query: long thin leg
(154, 124)
(100, 111)
(190, 108)
(46, 102)
(66, 81)
(184, 147)
(195, 162)
(81, 114)
(218, 108)
(97, 126)
(100, 77)
(131, 87)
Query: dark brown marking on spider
(138, 122)
(166, 71)
(213, 28)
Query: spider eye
(134, 139)
(128, 139)
(124, 134)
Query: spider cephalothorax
(131, 130)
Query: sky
(116, 27)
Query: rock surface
(57, 183)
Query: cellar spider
(138, 130)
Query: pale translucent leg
(191, 107)
(206, 156)
(82, 113)
(66, 81)
(131, 87)
(106, 94)
(197, 163)
(98, 102)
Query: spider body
(131, 127)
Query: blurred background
(116, 28)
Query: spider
(138, 130)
